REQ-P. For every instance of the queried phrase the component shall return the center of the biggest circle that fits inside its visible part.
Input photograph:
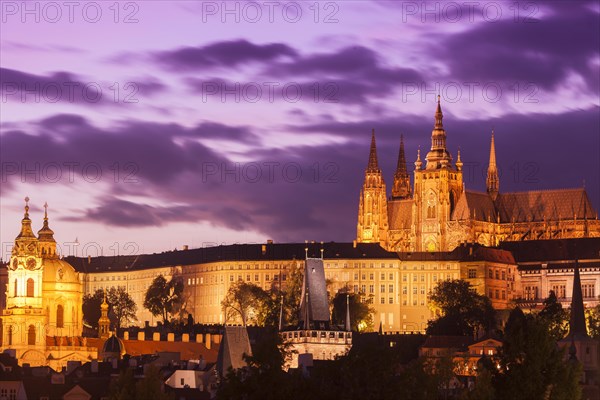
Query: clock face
(31, 264)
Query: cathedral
(42, 320)
(438, 213)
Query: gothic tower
(437, 188)
(372, 209)
(492, 182)
(401, 188)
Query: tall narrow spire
(577, 328)
(401, 188)
(492, 181)
(438, 157)
(373, 165)
(348, 326)
(281, 315)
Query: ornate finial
(459, 162)
(418, 163)
(46, 210)
(27, 206)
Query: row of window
(497, 294)
(494, 273)
(588, 290)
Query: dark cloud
(64, 87)
(542, 51)
(222, 54)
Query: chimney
(89, 259)
(270, 241)
(185, 247)
(354, 244)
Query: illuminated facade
(439, 214)
(42, 320)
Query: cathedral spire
(401, 188)
(439, 156)
(373, 165)
(577, 329)
(492, 181)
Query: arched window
(30, 287)
(16, 287)
(31, 335)
(60, 316)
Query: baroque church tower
(372, 209)
(437, 189)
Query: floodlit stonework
(440, 213)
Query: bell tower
(372, 209)
(437, 188)
(24, 319)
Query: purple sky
(152, 125)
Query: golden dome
(59, 271)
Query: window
(434, 277)
(391, 288)
(371, 288)
(371, 276)
(60, 316)
(267, 277)
(588, 290)
(422, 289)
(391, 300)
(391, 276)
(497, 294)
(256, 277)
(404, 290)
(503, 295)
(363, 277)
(382, 276)
(404, 278)
(31, 335)
(472, 273)
(382, 289)
(491, 274)
(356, 276)
(422, 278)
(283, 277)
(497, 274)
(503, 275)
(30, 287)
(383, 300)
(414, 290)
(355, 288)
(248, 278)
(363, 288)
(414, 278)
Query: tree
(532, 366)
(593, 321)
(462, 310)
(91, 308)
(121, 305)
(291, 296)
(248, 302)
(164, 298)
(555, 317)
(360, 313)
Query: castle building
(440, 213)
(42, 319)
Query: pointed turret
(401, 188)
(373, 165)
(459, 163)
(26, 243)
(492, 181)
(348, 326)
(418, 163)
(577, 328)
(104, 321)
(46, 237)
(438, 156)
